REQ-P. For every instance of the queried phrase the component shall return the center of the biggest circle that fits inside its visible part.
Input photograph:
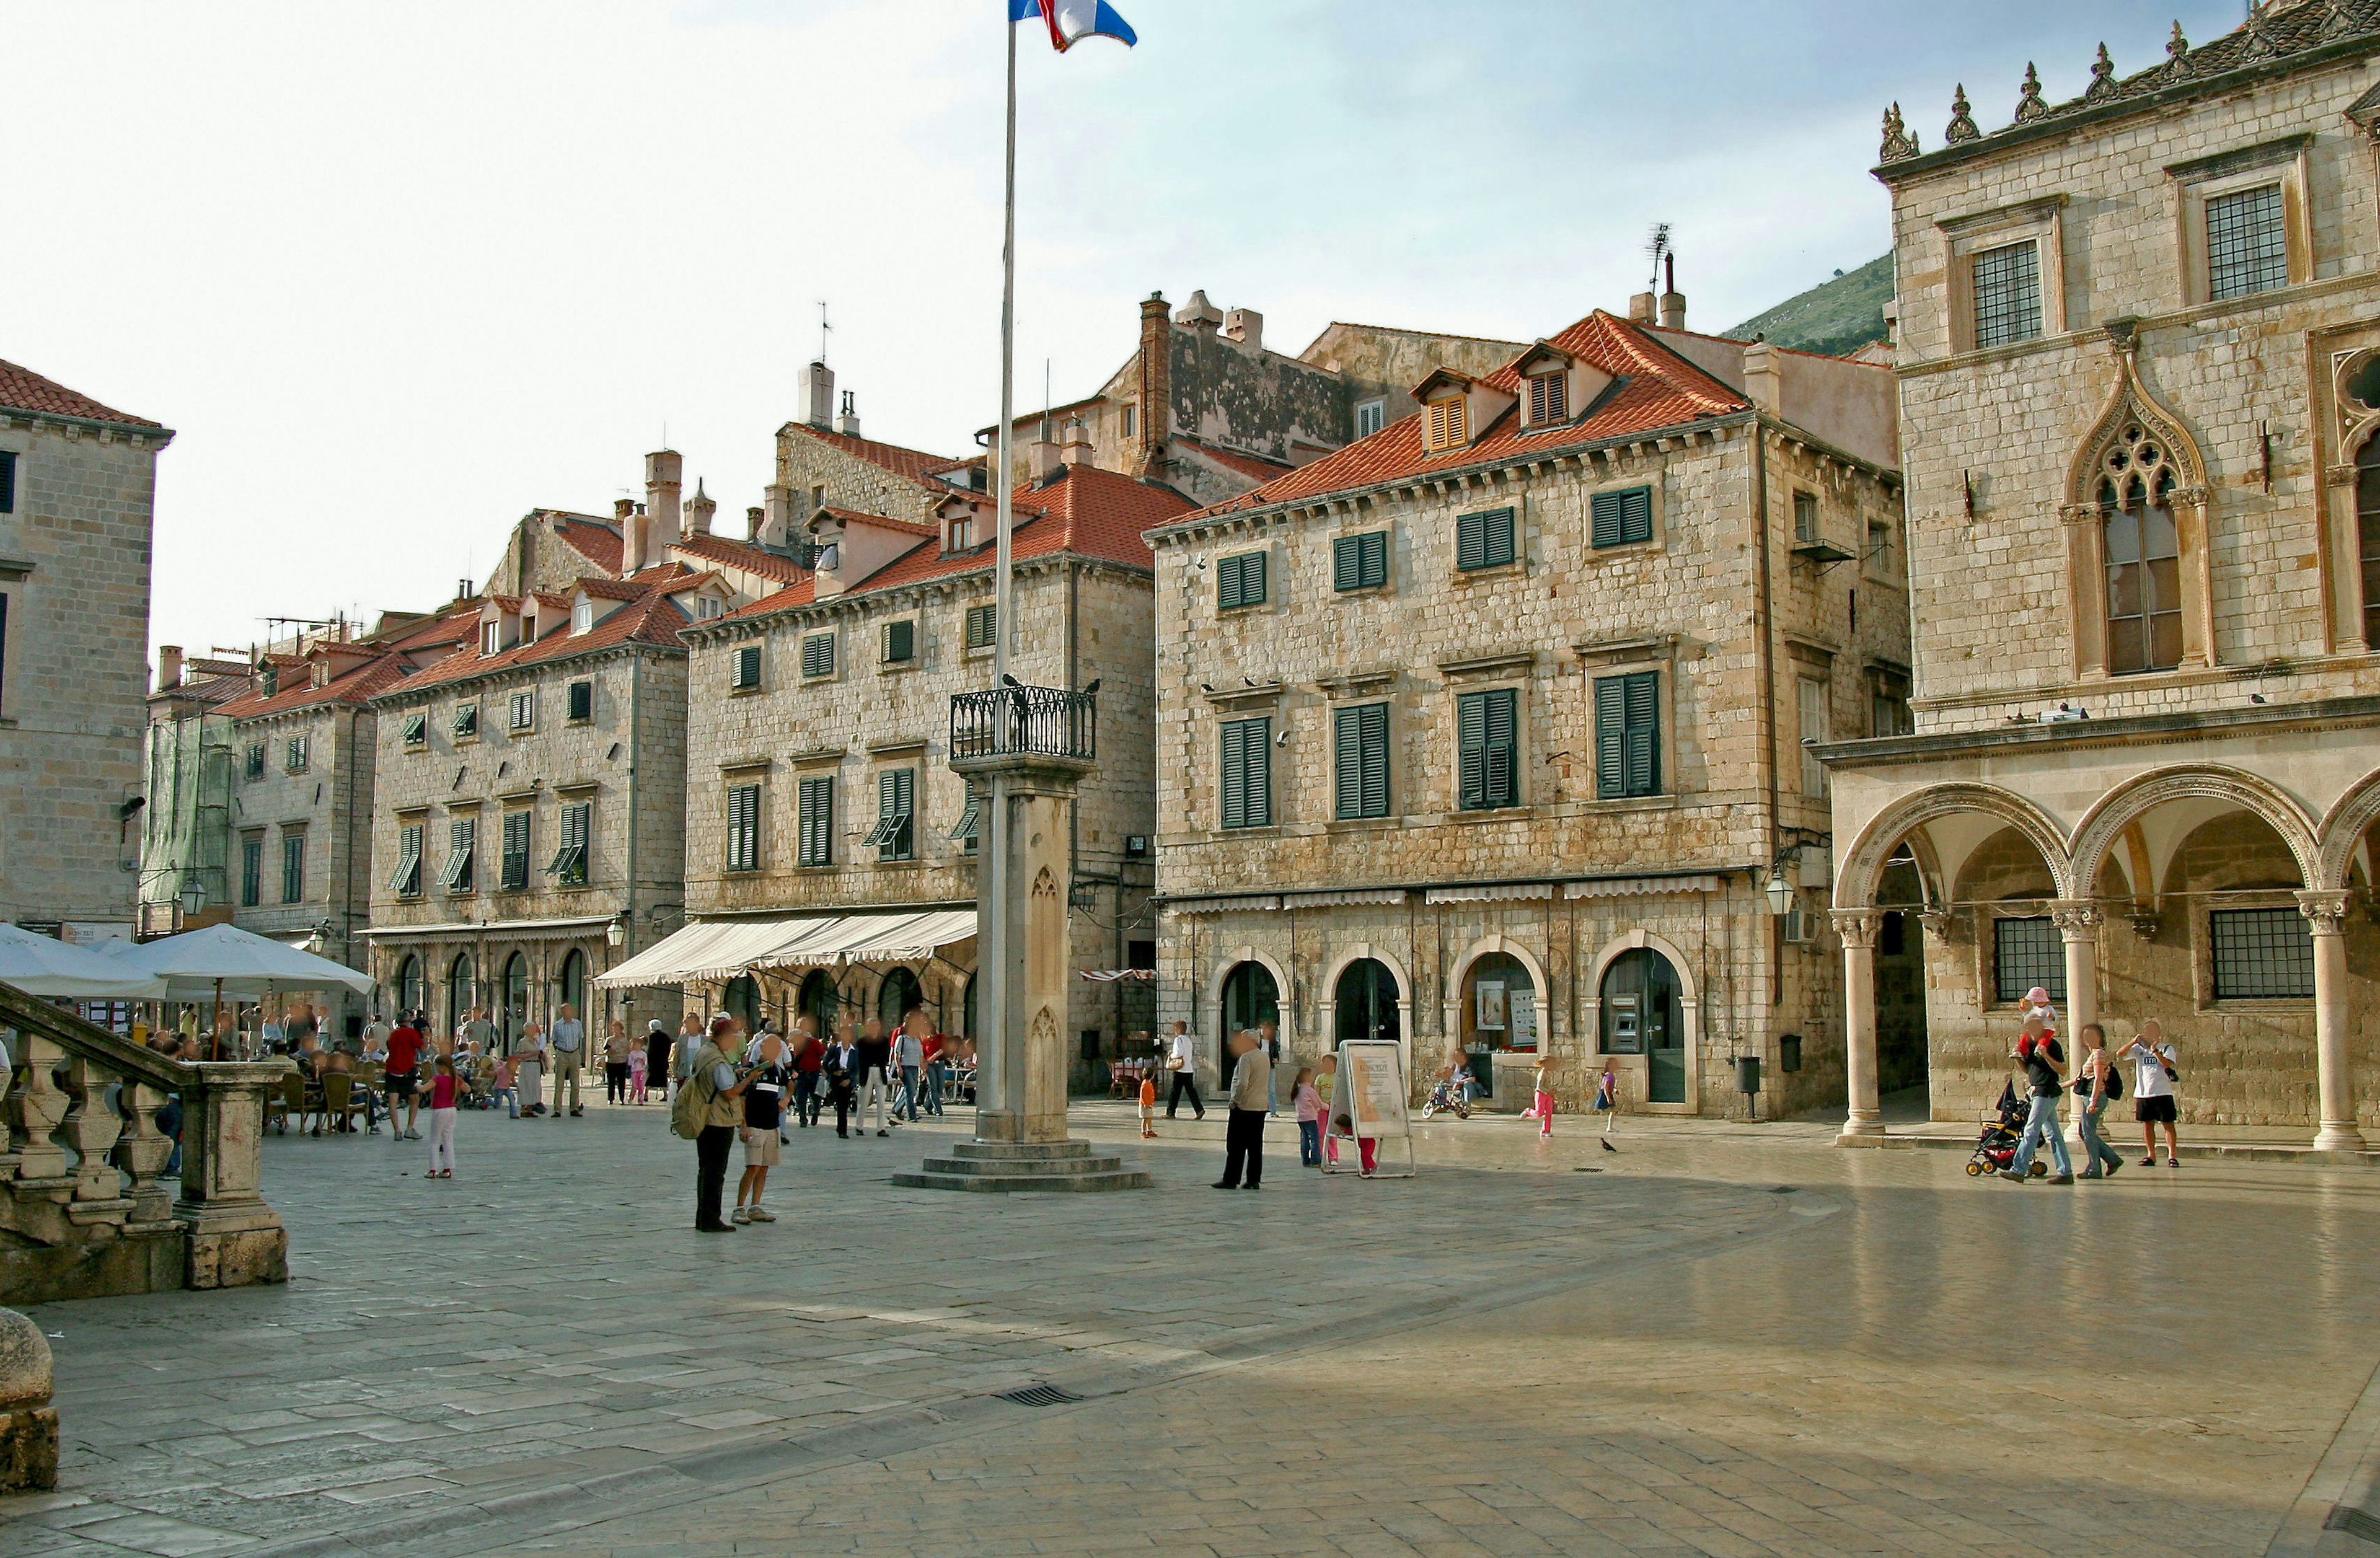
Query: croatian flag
(1071, 22)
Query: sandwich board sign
(1367, 1113)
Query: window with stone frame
(254, 766)
(568, 867)
(1887, 703)
(2247, 243)
(901, 642)
(416, 729)
(460, 877)
(1488, 742)
(744, 671)
(2261, 954)
(744, 827)
(405, 882)
(814, 843)
(2143, 557)
(7, 482)
(2027, 951)
(582, 702)
(1628, 735)
(817, 655)
(251, 869)
(1486, 540)
(467, 722)
(1246, 774)
(968, 832)
(1239, 581)
(1359, 562)
(1621, 518)
(894, 837)
(294, 755)
(982, 627)
(2007, 283)
(1812, 703)
(293, 864)
(2367, 526)
(514, 863)
(1360, 753)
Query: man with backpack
(707, 1111)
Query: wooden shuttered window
(982, 627)
(461, 874)
(1247, 774)
(1362, 752)
(1484, 540)
(744, 827)
(251, 871)
(1449, 424)
(900, 641)
(569, 864)
(817, 655)
(1360, 561)
(582, 701)
(1240, 580)
(1549, 398)
(292, 868)
(1623, 517)
(816, 845)
(895, 833)
(406, 881)
(1487, 734)
(1628, 735)
(515, 858)
(7, 482)
(747, 667)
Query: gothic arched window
(2143, 557)
(2367, 524)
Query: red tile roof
(1256, 466)
(885, 522)
(596, 540)
(357, 686)
(21, 389)
(740, 554)
(611, 589)
(651, 618)
(1089, 512)
(914, 464)
(1657, 389)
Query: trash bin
(1747, 1074)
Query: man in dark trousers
(809, 1057)
(841, 1073)
(713, 1072)
(1251, 1095)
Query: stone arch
(1864, 864)
(1325, 1005)
(1227, 959)
(2137, 796)
(1589, 1040)
(2131, 405)
(2133, 420)
(2342, 831)
(1450, 998)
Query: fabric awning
(1639, 886)
(720, 949)
(1350, 896)
(1491, 893)
(1111, 976)
(882, 938)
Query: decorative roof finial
(1963, 122)
(2030, 106)
(2102, 77)
(1898, 144)
(2178, 45)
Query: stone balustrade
(85, 1210)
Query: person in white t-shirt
(2153, 1104)
(1182, 1055)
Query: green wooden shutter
(1498, 538)
(582, 701)
(1610, 731)
(1375, 562)
(817, 655)
(1233, 784)
(7, 482)
(900, 640)
(1347, 563)
(517, 848)
(1240, 580)
(1372, 759)
(982, 627)
(1247, 774)
(744, 828)
(1501, 710)
(1643, 740)
(1348, 758)
(1471, 540)
(1471, 742)
(817, 823)
(748, 666)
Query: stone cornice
(401, 694)
(153, 437)
(863, 602)
(2121, 730)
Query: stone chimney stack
(1042, 454)
(756, 520)
(636, 531)
(1156, 385)
(169, 666)
(817, 396)
(777, 521)
(698, 512)
(1075, 443)
(1640, 308)
(1673, 302)
(1761, 378)
(847, 422)
(1246, 326)
(664, 478)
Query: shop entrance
(1500, 1012)
(1641, 1018)
(1250, 997)
(1365, 999)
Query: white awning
(1222, 905)
(1352, 895)
(880, 938)
(720, 949)
(1640, 886)
(1487, 893)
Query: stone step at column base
(1031, 1166)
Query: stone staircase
(1010, 1167)
(84, 1209)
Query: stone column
(1023, 993)
(1857, 928)
(2078, 921)
(236, 1238)
(2326, 912)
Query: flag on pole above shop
(1071, 22)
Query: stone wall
(73, 571)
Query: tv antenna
(823, 328)
(1657, 248)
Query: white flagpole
(1001, 624)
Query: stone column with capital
(2325, 913)
(2078, 921)
(1865, 1126)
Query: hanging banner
(1368, 1132)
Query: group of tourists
(757, 1088)
(2097, 1082)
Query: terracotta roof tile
(651, 618)
(740, 554)
(1656, 388)
(595, 540)
(1256, 466)
(375, 675)
(21, 389)
(914, 464)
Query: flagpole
(1002, 587)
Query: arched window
(820, 1001)
(1249, 997)
(2143, 557)
(898, 993)
(512, 1017)
(573, 980)
(461, 979)
(1366, 1002)
(2367, 523)
(742, 1001)
(409, 984)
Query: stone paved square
(1732, 1341)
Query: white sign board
(1367, 1113)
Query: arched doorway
(1366, 1001)
(461, 979)
(1641, 1018)
(1901, 978)
(899, 991)
(741, 1000)
(818, 1001)
(1250, 997)
(409, 997)
(573, 983)
(512, 1017)
(1499, 1012)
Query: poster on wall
(1488, 1001)
(1524, 1019)
(1368, 1132)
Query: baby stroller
(1445, 1096)
(1995, 1145)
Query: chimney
(777, 521)
(817, 396)
(1074, 444)
(1673, 302)
(635, 536)
(698, 512)
(756, 520)
(847, 423)
(1156, 384)
(1640, 308)
(664, 477)
(1246, 326)
(1199, 314)
(1043, 454)
(169, 666)
(1761, 377)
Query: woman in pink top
(443, 1091)
(1309, 1120)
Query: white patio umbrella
(225, 960)
(45, 965)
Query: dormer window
(1448, 425)
(1549, 398)
(491, 638)
(962, 534)
(582, 616)
(706, 607)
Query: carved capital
(2326, 911)
(1857, 927)
(2077, 919)
(2339, 475)
(2079, 513)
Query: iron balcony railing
(1025, 720)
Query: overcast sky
(399, 274)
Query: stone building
(77, 483)
(817, 776)
(185, 877)
(528, 794)
(2139, 374)
(1238, 413)
(1484, 733)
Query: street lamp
(1780, 892)
(193, 897)
(615, 933)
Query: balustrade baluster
(92, 1126)
(35, 1108)
(146, 1149)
